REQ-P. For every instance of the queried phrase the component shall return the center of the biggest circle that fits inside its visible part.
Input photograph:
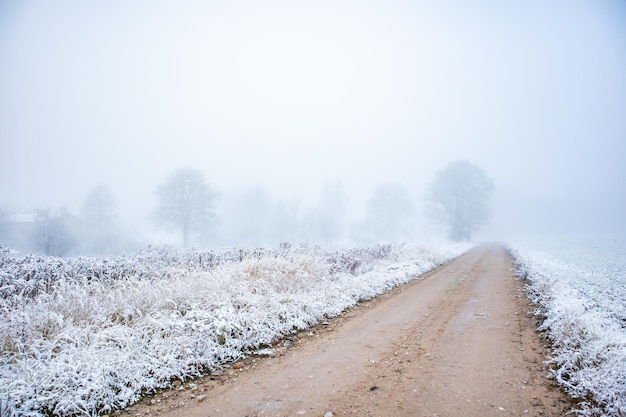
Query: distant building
(19, 231)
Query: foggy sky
(296, 95)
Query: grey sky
(294, 95)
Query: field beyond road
(458, 342)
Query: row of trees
(458, 200)
(188, 205)
(252, 216)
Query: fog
(291, 98)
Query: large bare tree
(459, 196)
(186, 202)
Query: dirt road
(457, 342)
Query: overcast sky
(293, 95)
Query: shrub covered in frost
(83, 336)
(581, 291)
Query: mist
(297, 113)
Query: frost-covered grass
(581, 290)
(83, 336)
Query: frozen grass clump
(580, 288)
(84, 336)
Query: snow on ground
(581, 290)
(83, 336)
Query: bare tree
(185, 201)
(286, 219)
(389, 212)
(98, 213)
(51, 233)
(459, 197)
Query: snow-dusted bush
(83, 336)
(581, 291)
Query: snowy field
(83, 336)
(581, 290)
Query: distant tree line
(187, 205)
(458, 200)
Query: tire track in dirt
(458, 341)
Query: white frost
(83, 336)
(581, 290)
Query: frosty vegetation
(581, 291)
(82, 336)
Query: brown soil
(459, 341)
